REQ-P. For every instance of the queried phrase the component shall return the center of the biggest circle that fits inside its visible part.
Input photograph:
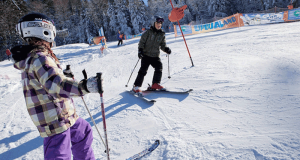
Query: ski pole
(100, 90)
(94, 122)
(85, 77)
(132, 72)
(169, 67)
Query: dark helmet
(36, 25)
(158, 19)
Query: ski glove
(90, 85)
(141, 53)
(167, 50)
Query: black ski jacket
(153, 40)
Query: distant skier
(148, 50)
(120, 38)
(48, 92)
(8, 53)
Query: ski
(145, 152)
(169, 91)
(142, 97)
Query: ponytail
(39, 42)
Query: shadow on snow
(22, 149)
(129, 100)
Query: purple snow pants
(58, 147)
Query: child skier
(48, 92)
(148, 50)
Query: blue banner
(294, 14)
(186, 29)
(262, 18)
(101, 32)
(133, 36)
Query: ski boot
(137, 90)
(156, 86)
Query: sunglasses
(159, 20)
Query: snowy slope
(245, 103)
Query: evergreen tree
(83, 18)
(137, 11)
(10, 13)
(123, 17)
(98, 17)
(61, 20)
(161, 8)
(113, 23)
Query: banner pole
(183, 36)
(239, 20)
(185, 43)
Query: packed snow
(245, 103)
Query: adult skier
(148, 51)
(48, 92)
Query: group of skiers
(48, 90)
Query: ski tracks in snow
(11, 91)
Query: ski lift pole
(183, 36)
(100, 90)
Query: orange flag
(97, 39)
(177, 14)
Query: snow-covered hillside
(245, 103)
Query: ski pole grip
(84, 74)
(68, 67)
(99, 81)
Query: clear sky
(146, 2)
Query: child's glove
(90, 85)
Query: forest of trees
(82, 19)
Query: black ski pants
(120, 41)
(155, 62)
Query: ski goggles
(159, 20)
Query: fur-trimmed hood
(21, 53)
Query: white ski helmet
(36, 25)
